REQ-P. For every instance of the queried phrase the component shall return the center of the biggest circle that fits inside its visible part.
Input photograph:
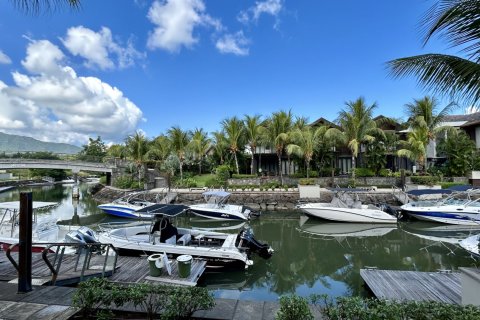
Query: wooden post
(25, 243)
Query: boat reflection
(341, 230)
(445, 233)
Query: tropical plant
(159, 149)
(179, 140)
(305, 141)
(277, 128)
(117, 151)
(234, 130)
(415, 147)
(358, 126)
(220, 145)
(199, 145)
(455, 77)
(95, 150)
(293, 307)
(460, 151)
(254, 130)
(137, 147)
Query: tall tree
(460, 151)
(254, 130)
(415, 147)
(95, 150)
(117, 151)
(199, 144)
(219, 144)
(304, 143)
(277, 128)
(179, 140)
(137, 147)
(357, 126)
(159, 149)
(457, 21)
(234, 133)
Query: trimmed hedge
(427, 180)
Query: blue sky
(114, 67)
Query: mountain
(12, 143)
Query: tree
(220, 145)
(159, 149)
(277, 128)
(117, 151)
(459, 23)
(95, 150)
(460, 151)
(234, 130)
(254, 131)
(199, 144)
(179, 140)
(415, 147)
(305, 140)
(358, 126)
(137, 147)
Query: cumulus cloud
(4, 59)
(98, 47)
(270, 7)
(51, 102)
(175, 22)
(233, 43)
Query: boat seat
(171, 240)
(185, 239)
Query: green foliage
(57, 174)
(446, 185)
(184, 301)
(223, 173)
(186, 183)
(461, 154)
(213, 183)
(94, 151)
(127, 182)
(385, 173)
(426, 180)
(294, 308)
(306, 182)
(364, 172)
(243, 176)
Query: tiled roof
(462, 117)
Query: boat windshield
(216, 197)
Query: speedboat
(343, 208)
(216, 207)
(161, 236)
(340, 230)
(459, 209)
(128, 206)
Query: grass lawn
(201, 179)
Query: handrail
(81, 246)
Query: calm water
(311, 256)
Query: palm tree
(427, 108)
(219, 144)
(137, 147)
(199, 144)
(179, 140)
(415, 147)
(117, 151)
(305, 141)
(159, 149)
(357, 126)
(254, 130)
(277, 128)
(234, 131)
(458, 22)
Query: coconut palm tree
(179, 141)
(137, 147)
(220, 145)
(159, 149)
(234, 133)
(415, 147)
(459, 23)
(199, 145)
(304, 143)
(357, 126)
(277, 128)
(254, 131)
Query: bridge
(74, 165)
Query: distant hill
(13, 143)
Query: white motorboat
(459, 208)
(343, 208)
(471, 244)
(128, 206)
(216, 207)
(162, 237)
(44, 228)
(340, 230)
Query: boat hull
(468, 219)
(123, 211)
(347, 214)
(218, 213)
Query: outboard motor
(83, 235)
(252, 244)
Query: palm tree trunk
(236, 162)
(353, 169)
(181, 170)
(251, 164)
(200, 166)
(280, 168)
(308, 169)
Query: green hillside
(13, 143)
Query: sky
(114, 67)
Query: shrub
(364, 172)
(293, 307)
(223, 173)
(184, 301)
(446, 185)
(213, 183)
(126, 182)
(385, 173)
(243, 176)
(306, 182)
(298, 175)
(427, 180)
(187, 183)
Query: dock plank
(413, 285)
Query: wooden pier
(413, 285)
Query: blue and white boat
(216, 207)
(460, 209)
(128, 206)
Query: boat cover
(170, 210)
(217, 193)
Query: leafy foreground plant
(96, 297)
(294, 308)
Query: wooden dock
(413, 285)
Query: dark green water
(311, 256)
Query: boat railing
(107, 250)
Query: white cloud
(4, 59)
(53, 103)
(270, 7)
(175, 22)
(97, 47)
(233, 43)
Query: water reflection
(311, 256)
